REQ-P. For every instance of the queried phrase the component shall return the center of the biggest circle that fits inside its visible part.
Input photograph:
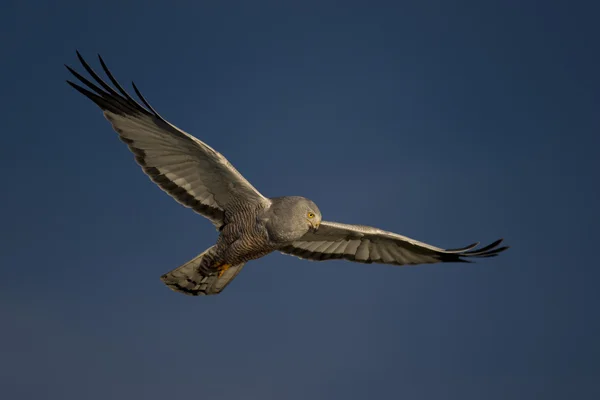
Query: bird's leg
(208, 267)
(222, 268)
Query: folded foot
(222, 268)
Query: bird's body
(250, 224)
(243, 239)
(254, 232)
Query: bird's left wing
(371, 245)
(186, 168)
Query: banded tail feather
(191, 280)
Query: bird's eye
(311, 215)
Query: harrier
(250, 225)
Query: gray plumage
(250, 224)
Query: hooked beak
(315, 226)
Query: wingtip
(463, 249)
(102, 61)
(473, 245)
(491, 248)
(136, 90)
(497, 242)
(71, 83)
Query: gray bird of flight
(250, 225)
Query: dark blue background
(448, 122)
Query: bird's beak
(315, 226)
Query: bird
(249, 224)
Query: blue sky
(448, 122)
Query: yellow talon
(222, 268)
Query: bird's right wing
(186, 168)
(365, 244)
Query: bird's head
(306, 210)
(290, 217)
(313, 217)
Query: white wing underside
(186, 168)
(371, 245)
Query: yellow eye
(311, 215)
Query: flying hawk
(250, 225)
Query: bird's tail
(191, 280)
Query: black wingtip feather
(117, 101)
(100, 102)
(491, 250)
(113, 80)
(483, 250)
(463, 249)
(139, 94)
(97, 78)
